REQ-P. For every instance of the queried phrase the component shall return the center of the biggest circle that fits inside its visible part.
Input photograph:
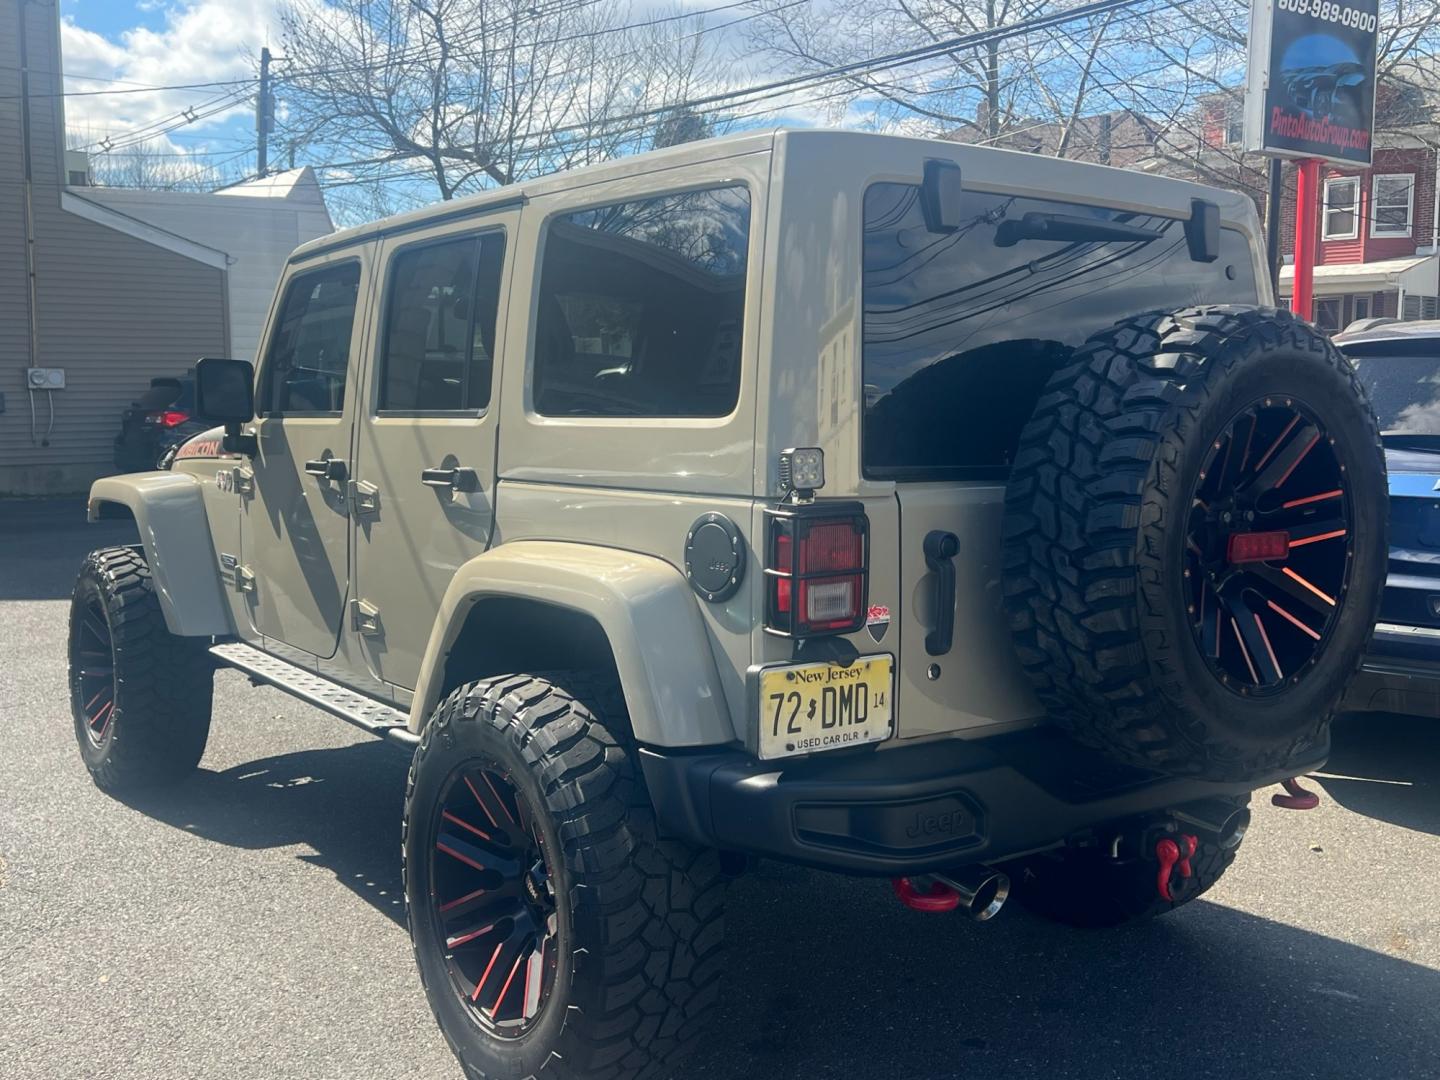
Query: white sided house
(102, 289)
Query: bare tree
(464, 94)
(986, 92)
(1159, 83)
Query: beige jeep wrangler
(949, 515)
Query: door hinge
(244, 579)
(244, 480)
(364, 498)
(364, 617)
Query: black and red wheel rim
(94, 673)
(1268, 547)
(493, 899)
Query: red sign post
(1307, 205)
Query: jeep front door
(295, 529)
(425, 468)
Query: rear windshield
(162, 394)
(1403, 378)
(962, 329)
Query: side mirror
(225, 394)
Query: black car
(161, 419)
(1400, 366)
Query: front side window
(1341, 211)
(962, 329)
(641, 306)
(439, 340)
(1391, 204)
(309, 354)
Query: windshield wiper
(1067, 228)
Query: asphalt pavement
(249, 923)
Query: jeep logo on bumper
(944, 824)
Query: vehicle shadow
(1386, 767)
(831, 979)
(345, 803)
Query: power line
(609, 127)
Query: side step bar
(364, 712)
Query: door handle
(940, 549)
(327, 468)
(458, 478)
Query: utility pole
(264, 116)
(1272, 222)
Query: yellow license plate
(806, 708)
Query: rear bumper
(1401, 673)
(915, 808)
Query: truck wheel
(140, 695)
(552, 928)
(1195, 540)
(1086, 887)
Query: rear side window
(640, 307)
(439, 343)
(309, 355)
(962, 329)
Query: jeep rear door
(425, 464)
(961, 330)
(295, 527)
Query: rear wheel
(1195, 540)
(553, 929)
(140, 695)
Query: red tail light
(816, 569)
(167, 418)
(1257, 546)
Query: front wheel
(553, 929)
(140, 695)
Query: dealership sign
(1311, 88)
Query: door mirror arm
(236, 441)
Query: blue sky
(114, 45)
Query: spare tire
(1195, 540)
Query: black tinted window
(640, 307)
(962, 329)
(1403, 378)
(439, 339)
(310, 348)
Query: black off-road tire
(157, 697)
(641, 918)
(1084, 887)
(1096, 540)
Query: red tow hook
(1297, 799)
(1168, 851)
(938, 897)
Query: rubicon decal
(877, 621)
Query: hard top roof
(799, 140)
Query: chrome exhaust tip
(982, 891)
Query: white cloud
(200, 41)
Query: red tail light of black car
(816, 569)
(167, 418)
